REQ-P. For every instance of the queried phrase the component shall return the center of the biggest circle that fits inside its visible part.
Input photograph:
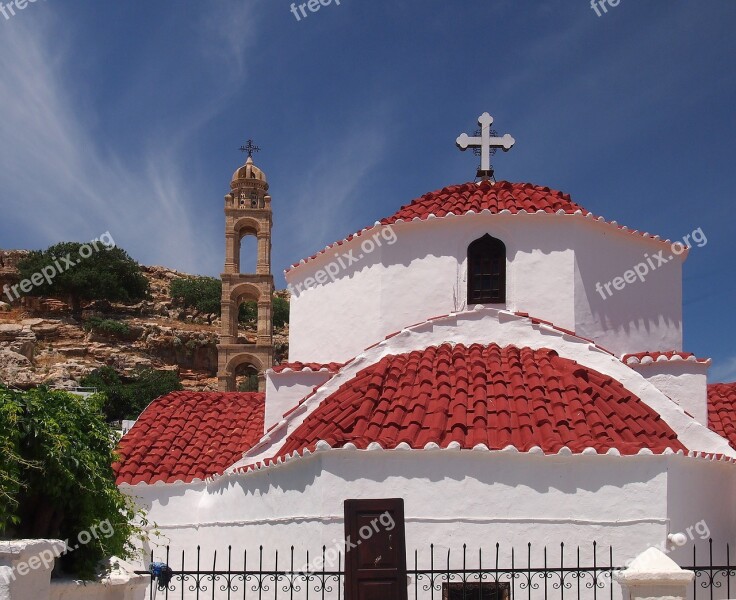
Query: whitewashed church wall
(686, 382)
(285, 390)
(453, 498)
(700, 497)
(423, 275)
(643, 315)
(554, 263)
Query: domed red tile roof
(722, 410)
(472, 197)
(504, 195)
(488, 395)
(190, 435)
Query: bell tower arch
(247, 213)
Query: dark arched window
(486, 271)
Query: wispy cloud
(323, 202)
(60, 182)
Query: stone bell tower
(247, 212)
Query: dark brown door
(375, 563)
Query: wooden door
(375, 560)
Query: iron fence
(710, 578)
(553, 573)
(520, 579)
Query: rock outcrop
(41, 343)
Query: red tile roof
(190, 435)
(476, 197)
(332, 367)
(722, 410)
(484, 395)
(504, 195)
(652, 357)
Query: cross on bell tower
(250, 148)
(487, 142)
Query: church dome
(249, 172)
(491, 395)
(486, 196)
(502, 197)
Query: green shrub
(280, 312)
(204, 294)
(248, 313)
(201, 293)
(56, 478)
(106, 326)
(127, 398)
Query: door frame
(352, 509)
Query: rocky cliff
(41, 343)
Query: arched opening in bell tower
(248, 255)
(245, 371)
(246, 378)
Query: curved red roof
(190, 435)
(503, 195)
(488, 395)
(722, 410)
(332, 367)
(659, 357)
(484, 196)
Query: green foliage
(248, 313)
(107, 326)
(107, 274)
(11, 465)
(201, 293)
(280, 312)
(127, 398)
(56, 478)
(204, 295)
(249, 382)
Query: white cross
(485, 142)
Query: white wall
(285, 390)
(451, 498)
(697, 492)
(644, 315)
(686, 382)
(553, 264)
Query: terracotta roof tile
(722, 410)
(646, 358)
(332, 367)
(476, 197)
(189, 435)
(484, 394)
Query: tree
(128, 398)
(280, 311)
(56, 477)
(200, 293)
(77, 272)
(248, 313)
(204, 294)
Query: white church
(487, 365)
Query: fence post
(25, 568)
(653, 575)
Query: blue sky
(125, 116)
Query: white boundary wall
(452, 498)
